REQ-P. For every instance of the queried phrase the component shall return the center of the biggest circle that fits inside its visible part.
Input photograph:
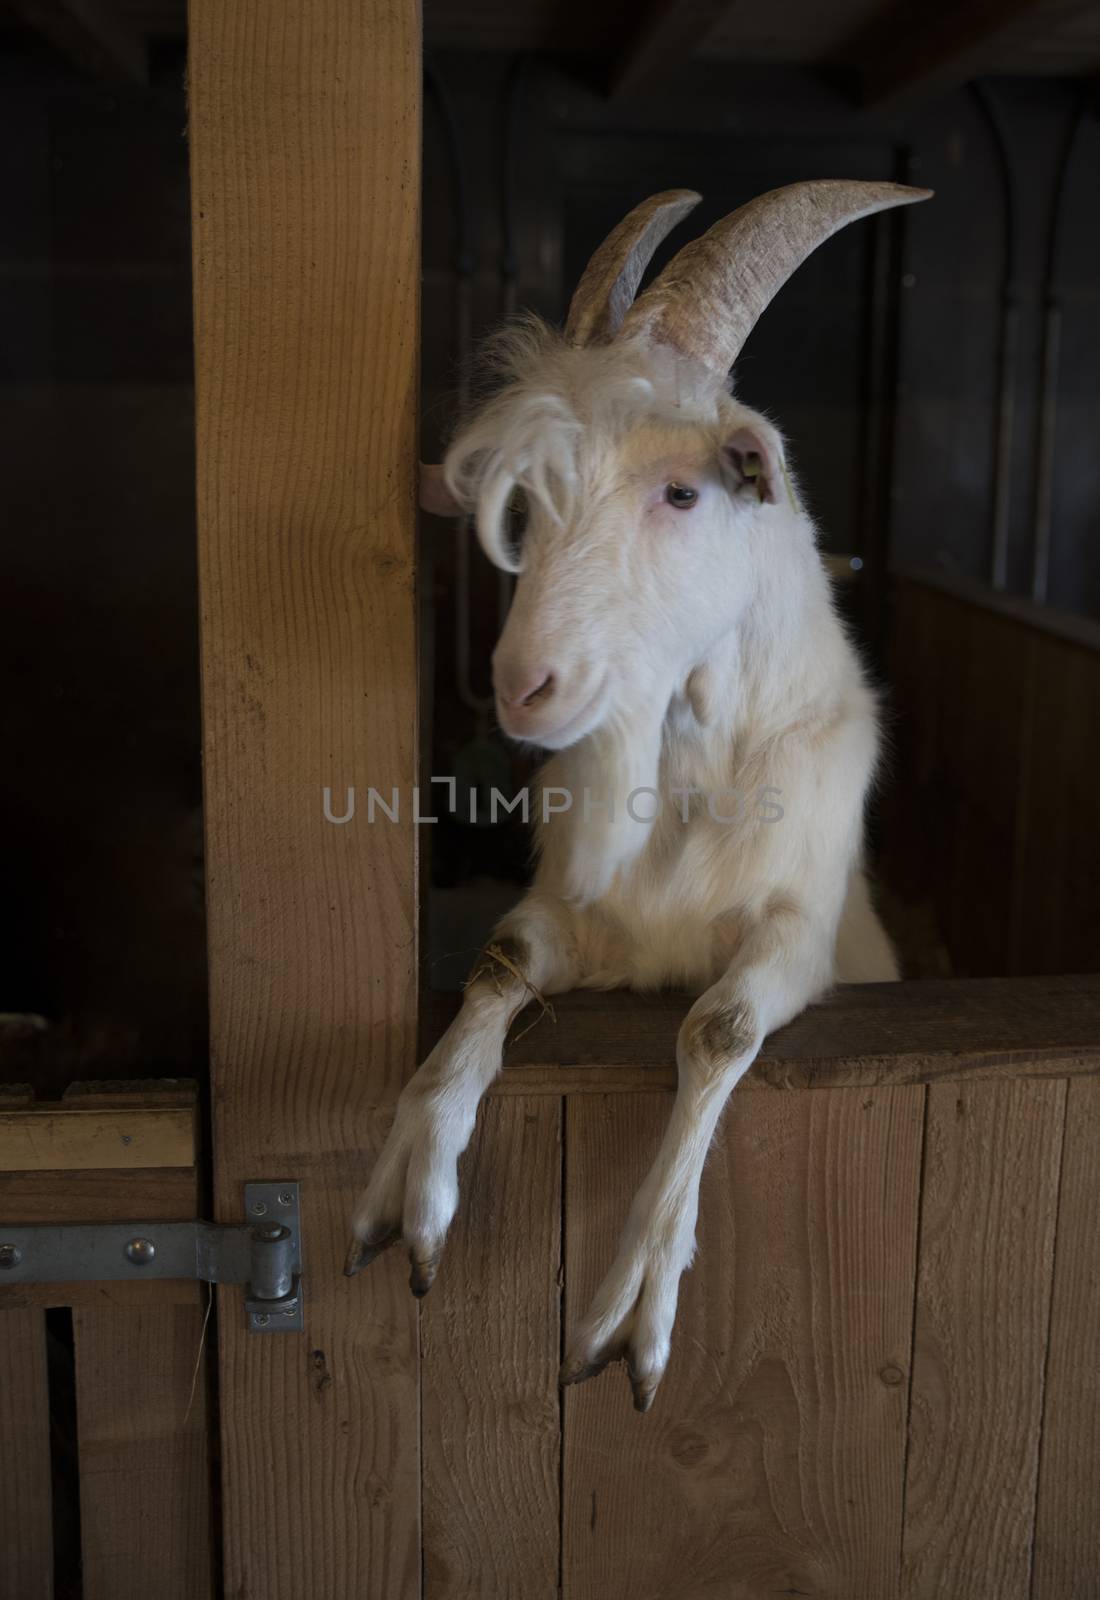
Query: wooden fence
(991, 801)
(104, 1414)
(883, 1384)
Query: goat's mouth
(541, 723)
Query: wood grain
(53, 1137)
(305, 140)
(489, 1363)
(26, 1548)
(988, 818)
(863, 1034)
(168, 1194)
(773, 1459)
(1066, 1563)
(989, 1202)
(144, 1467)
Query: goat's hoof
(578, 1370)
(422, 1273)
(644, 1391)
(361, 1252)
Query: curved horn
(610, 281)
(710, 296)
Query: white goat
(672, 631)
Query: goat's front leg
(781, 968)
(413, 1189)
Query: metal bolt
(286, 1198)
(261, 1319)
(140, 1252)
(10, 1256)
(272, 1232)
(259, 1209)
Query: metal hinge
(265, 1254)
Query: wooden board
(773, 1460)
(59, 1138)
(987, 820)
(1066, 1564)
(305, 130)
(144, 1467)
(989, 1203)
(863, 1034)
(26, 1549)
(489, 1364)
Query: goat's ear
(434, 493)
(754, 461)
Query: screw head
(286, 1198)
(139, 1252)
(10, 1256)
(259, 1208)
(261, 1319)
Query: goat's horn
(710, 296)
(610, 280)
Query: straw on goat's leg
(632, 1315)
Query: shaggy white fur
(678, 645)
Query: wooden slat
(664, 37)
(60, 1137)
(144, 1468)
(864, 1034)
(90, 34)
(1058, 865)
(169, 1194)
(773, 1460)
(988, 823)
(904, 52)
(489, 1353)
(1066, 1564)
(305, 164)
(26, 1546)
(992, 1158)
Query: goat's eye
(681, 495)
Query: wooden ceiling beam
(919, 49)
(86, 31)
(668, 34)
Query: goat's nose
(522, 688)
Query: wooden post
(305, 130)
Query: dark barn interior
(874, 1354)
(934, 373)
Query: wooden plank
(92, 36)
(144, 1460)
(144, 1467)
(1058, 866)
(1067, 1530)
(666, 35)
(165, 1193)
(863, 1034)
(57, 1137)
(904, 53)
(1045, 620)
(773, 1460)
(305, 145)
(992, 1157)
(490, 1335)
(26, 1549)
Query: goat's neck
(785, 656)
